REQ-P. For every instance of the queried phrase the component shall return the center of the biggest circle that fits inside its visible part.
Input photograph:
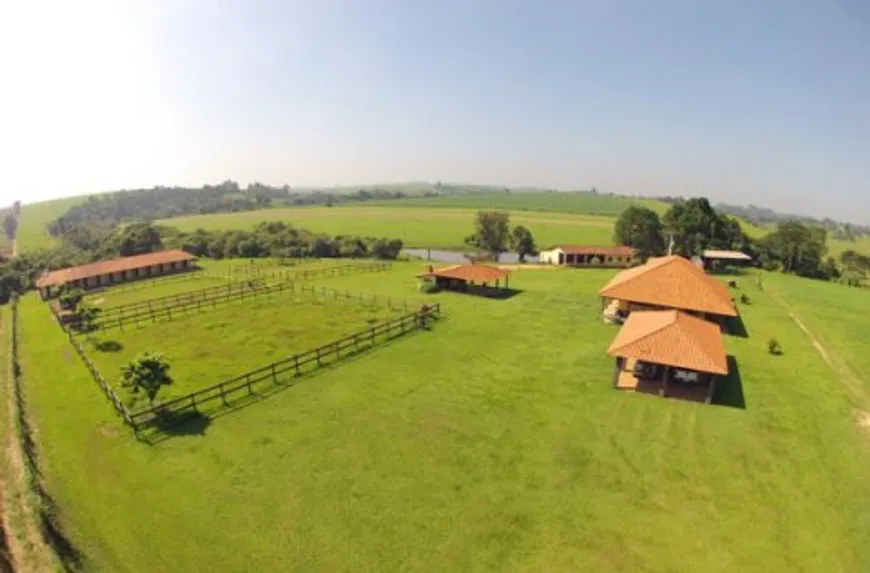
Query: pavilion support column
(663, 391)
(711, 388)
(616, 370)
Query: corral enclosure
(493, 442)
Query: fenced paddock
(207, 346)
(253, 382)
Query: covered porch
(476, 279)
(669, 353)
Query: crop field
(493, 442)
(417, 227)
(35, 216)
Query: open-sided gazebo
(474, 278)
(669, 352)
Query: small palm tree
(147, 372)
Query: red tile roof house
(105, 273)
(580, 255)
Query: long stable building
(582, 255)
(104, 273)
(671, 339)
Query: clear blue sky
(744, 101)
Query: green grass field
(231, 339)
(417, 227)
(561, 202)
(493, 442)
(35, 216)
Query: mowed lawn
(34, 217)
(837, 315)
(417, 227)
(493, 442)
(210, 346)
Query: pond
(457, 257)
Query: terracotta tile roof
(607, 251)
(671, 282)
(672, 338)
(476, 273)
(113, 266)
(728, 255)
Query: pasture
(561, 202)
(493, 442)
(34, 217)
(209, 346)
(417, 227)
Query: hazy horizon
(742, 102)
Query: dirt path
(848, 377)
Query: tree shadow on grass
(109, 346)
(194, 423)
(729, 391)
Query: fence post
(248, 380)
(296, 363)
(274, 376)
(223, 394)
(318, 356)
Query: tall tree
(491, 233)
(696, 226)
(147, 372)
(796, 247)
(641, 229)
(10, 226)
(523, 242)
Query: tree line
(82, 244)
(692, 226)
(165, 202)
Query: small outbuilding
(473, 278)
(720, 259)
(670, 353)
(124, 269)
(584, 255)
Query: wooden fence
(222, 294)
(297, 364)
(164, 305)
(107, 389)
(246, 384)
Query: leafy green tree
(695, 226)
(147, 372)
(10, 226)
(641, 229)
(491, 233)
(87, 317)
(799, 249)
(386, 248)
(70, 297)
(523, 242)
(138, 239)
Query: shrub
(744, 299)
(428, 287)
(774, 347)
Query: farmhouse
(579, 255)
(666, 283)
(474, 278)
(670, 353)
(114, 271)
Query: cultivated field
(493, 442)
(35, 216)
